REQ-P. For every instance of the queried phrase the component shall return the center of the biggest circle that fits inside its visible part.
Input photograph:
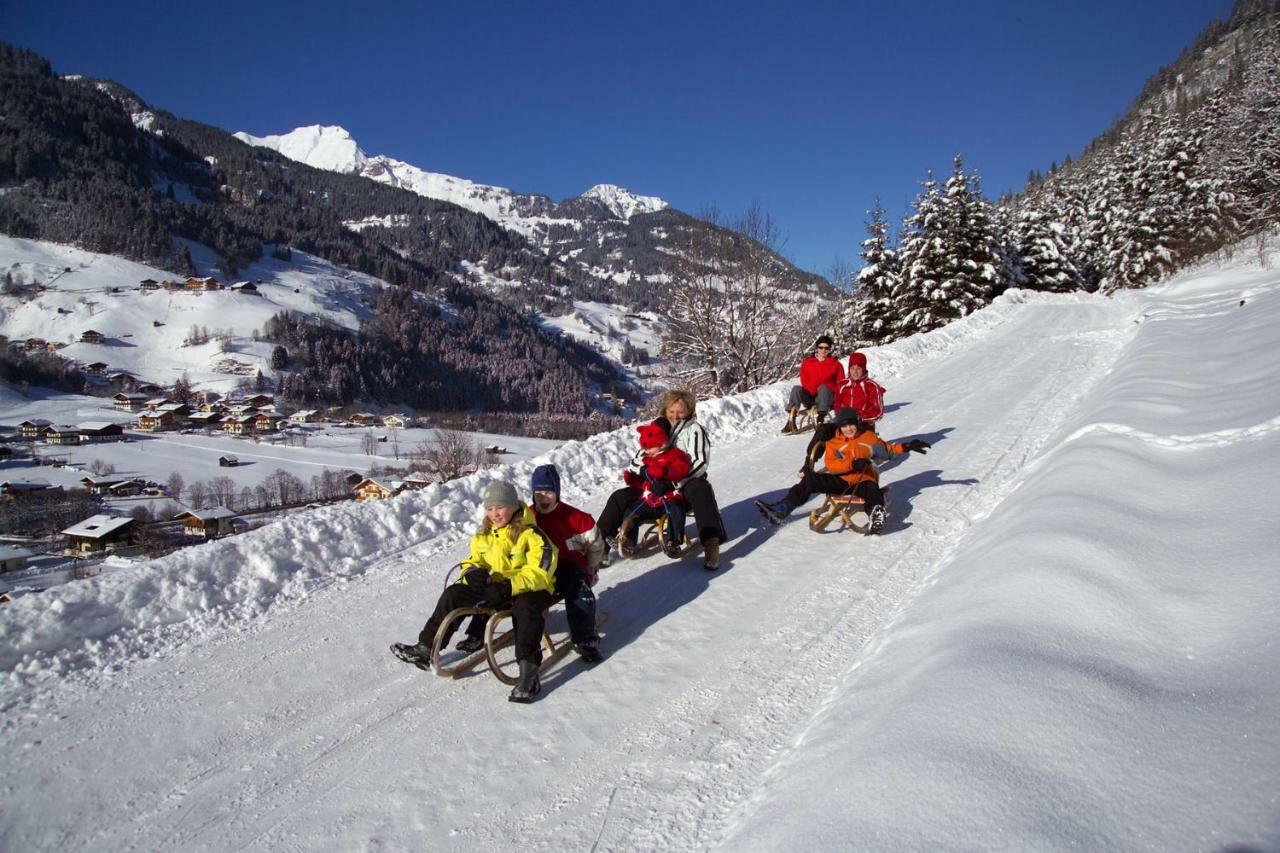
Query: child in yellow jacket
(850, 458)
(512, 564)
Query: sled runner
(649, 536)
(845, 507)
(497, 640)
(805, 420)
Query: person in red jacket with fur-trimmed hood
(850, 459)
(820, 374)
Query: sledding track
(301, 732)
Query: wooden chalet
(206, 283)
(205, 420)
(228, 461)
(34, 427)
(239, 424)
(210, 523)
(16, 491)
(396, 421)
(266, 422)
(92, 336)
(36, 343)
(245, 287)
(62, 434)
(365, 419)
(96, 432)
(101, 485)
(130, 402)
(100, 533)
(370, 489)
(173, 285)
(157, 420)
(258, 401)
(201, 398)
(14, 557)
(97, 368)
(306, 416)
(148, 284)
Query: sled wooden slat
(843, 507)
(648, 538)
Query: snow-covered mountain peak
(328, 147)
(622, 203)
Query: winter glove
(918, 445)
(632, 479)
(476, 578)
(861, 466)
(497, 592)
(661, 486)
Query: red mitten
(632, 479)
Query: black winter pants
(830, 484)
(699, 494)
(528, 612)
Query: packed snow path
(299, 730)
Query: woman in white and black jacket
(688, 435)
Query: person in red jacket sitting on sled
(856, 391)
(850, 459)
(664, 465)
(820, 375)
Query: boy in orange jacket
(850, 458)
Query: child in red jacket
(664, 466)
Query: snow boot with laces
(774, 513)
(589, 652)
(528, 686)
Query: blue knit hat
(545, 479)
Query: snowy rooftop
(97, 526)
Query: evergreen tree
(868, 315)
(1043, 261)
(924, 264)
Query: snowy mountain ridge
(333, 148)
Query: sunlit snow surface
(1064, 639)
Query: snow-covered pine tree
(923, 263)
(868, 314)
(1043, 261)
(977, 239)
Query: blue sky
(811, 109)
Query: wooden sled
(496, 641)
(648, 537)
(844, 507)
(806, 420)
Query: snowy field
(1064, 639)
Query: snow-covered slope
(333, 148)
(1062, 639)
(147, 330)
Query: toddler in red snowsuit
(664, 466)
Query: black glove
(861, 466)
(661, 486)
(497, 592)
(476, 578)
(918, 445)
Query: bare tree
(223, 490)
(101, 468)
(283, 488)
(198, 495)
(731, 325)
(368, 444)
(175, 484)
(447, 455)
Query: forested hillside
(1193, 167)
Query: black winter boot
(528, 686)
